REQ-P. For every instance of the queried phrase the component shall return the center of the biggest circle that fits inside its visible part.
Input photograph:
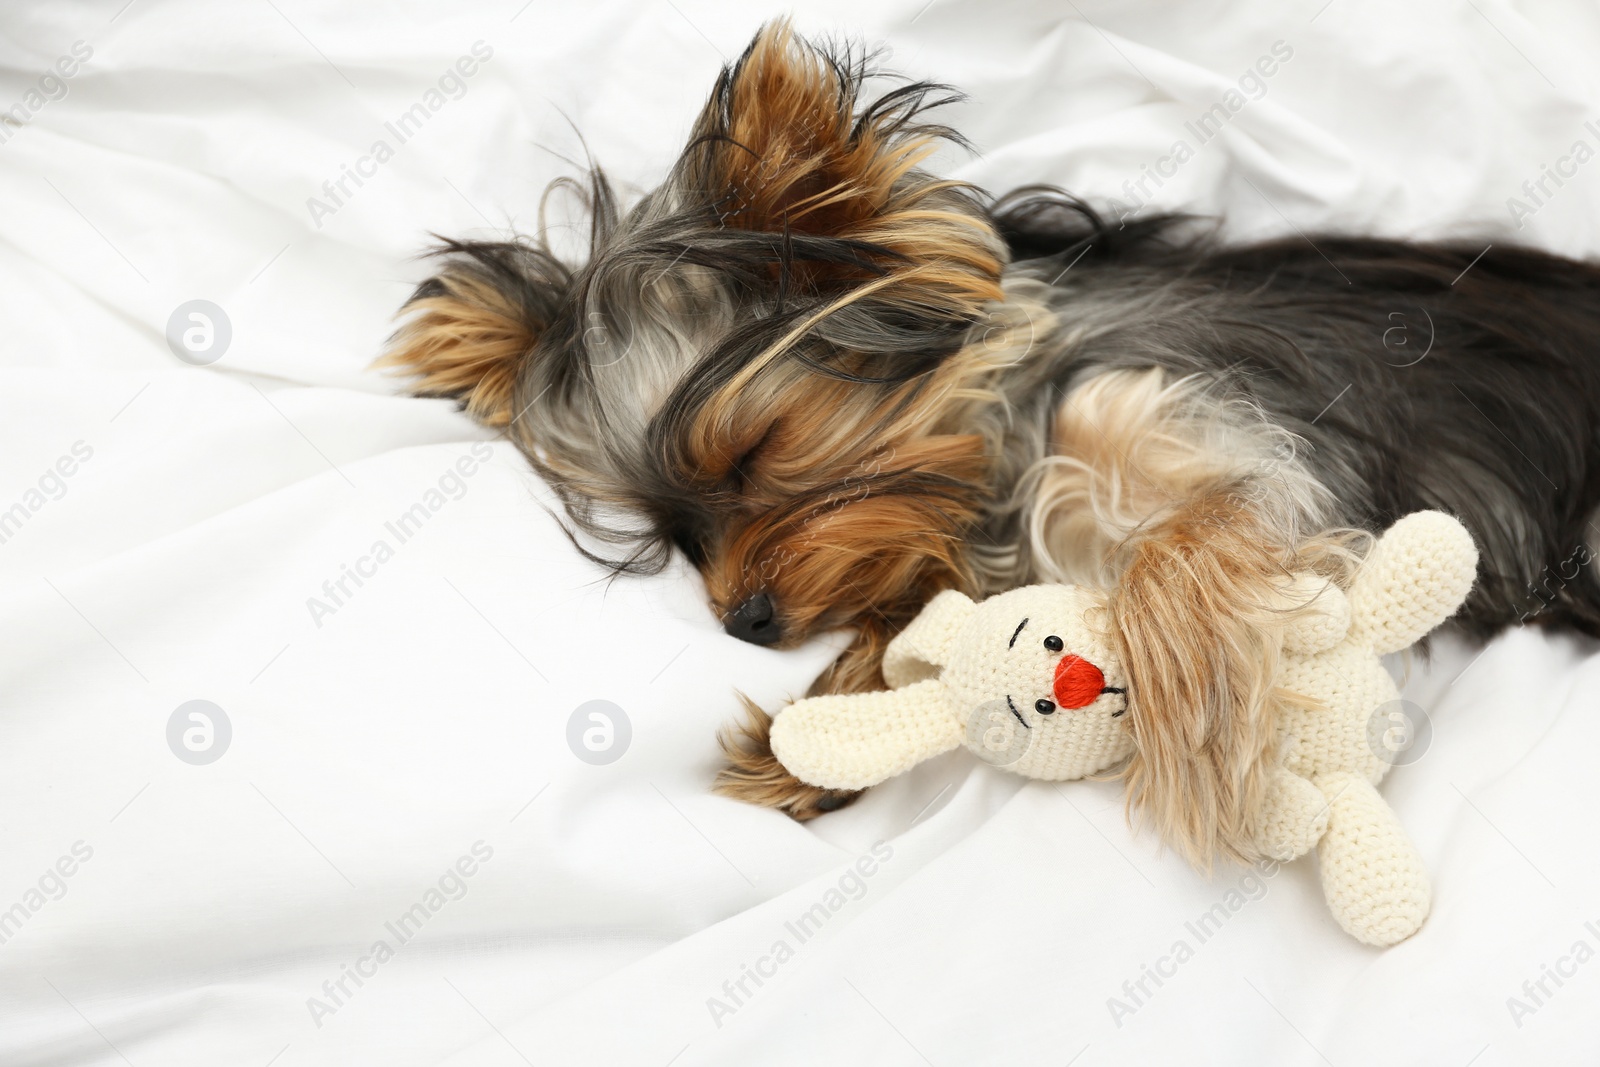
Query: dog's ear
(922, 649)
(468, 329)
(785, 147)
(1200, 619)
(856, 740)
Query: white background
(371, 752)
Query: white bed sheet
(419, 720)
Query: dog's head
(760, 362)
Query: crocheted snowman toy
(1030, 680)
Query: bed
(323, 745)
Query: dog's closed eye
(691, 546)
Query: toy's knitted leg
(1371, 873)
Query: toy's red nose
(1078, 682)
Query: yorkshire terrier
(839, 384)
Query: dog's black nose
(752, 621)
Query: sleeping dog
(839, 384)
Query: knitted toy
(1046, 682)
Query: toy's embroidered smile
(1048, 707)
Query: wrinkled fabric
(390, 833)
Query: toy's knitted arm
(856, 740)
(1418, 574)
(1293, 817)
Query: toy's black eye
(1044, 707)
(1053, 643)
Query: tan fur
(466, 343)
(1132, 445)
(893, 526)
(796, 158)
(878, 556)
(1199, 614)
(786, 429)
(873, 549)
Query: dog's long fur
(1199, 612)
(835, 381)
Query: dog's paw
(754, 775)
